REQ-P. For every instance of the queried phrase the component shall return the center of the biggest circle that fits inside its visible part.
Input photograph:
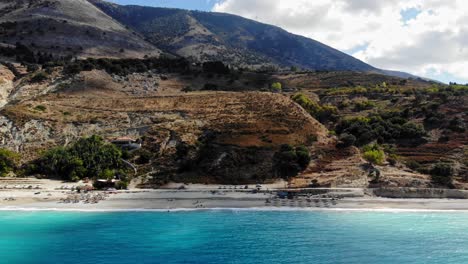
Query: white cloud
(433, 42)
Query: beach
(55, 195)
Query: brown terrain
(205, 126)
(238, 132)
(94, 103)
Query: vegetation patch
(389, 127)
(8, 161)
(374, 154)
(320, 112)
(442, 174)
(289, 161)
(87, 158)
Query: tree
(289, 161)
(303, 157)
(88, 157)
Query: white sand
(206, 197)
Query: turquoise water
(233, 237)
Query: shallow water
(233, 237)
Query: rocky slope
(232, 39)
(68, 27)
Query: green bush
(442, 173)
(276, 87)
(88, 157)
(384, 127)
(320, 112)
(374, 154)
(364, 105)
(8, 161)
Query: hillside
(68, 27)
(342, 124)
(209, 36)
(205, 127)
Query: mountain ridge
(234, 39)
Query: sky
(427, 38)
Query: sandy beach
(55, 195)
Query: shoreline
(233, 209)
(51, 196)
(179, 201)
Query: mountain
(68, 27)
(229, 38)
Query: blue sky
(424, 38)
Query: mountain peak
(233, 39)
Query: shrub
(32, 67)
(8, 161)
(276, 87)
(40, 108)
(121, 185)
(73, 69)
(414, 165)
(457, 125)
(374, 154)
(39, 77)
(320, 112)
(364, 105)
(442, 173)
(346, 140)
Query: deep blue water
(233, 237)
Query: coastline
(175, 201)
(48, 195)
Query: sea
(233, 236)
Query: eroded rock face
(6, 84)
